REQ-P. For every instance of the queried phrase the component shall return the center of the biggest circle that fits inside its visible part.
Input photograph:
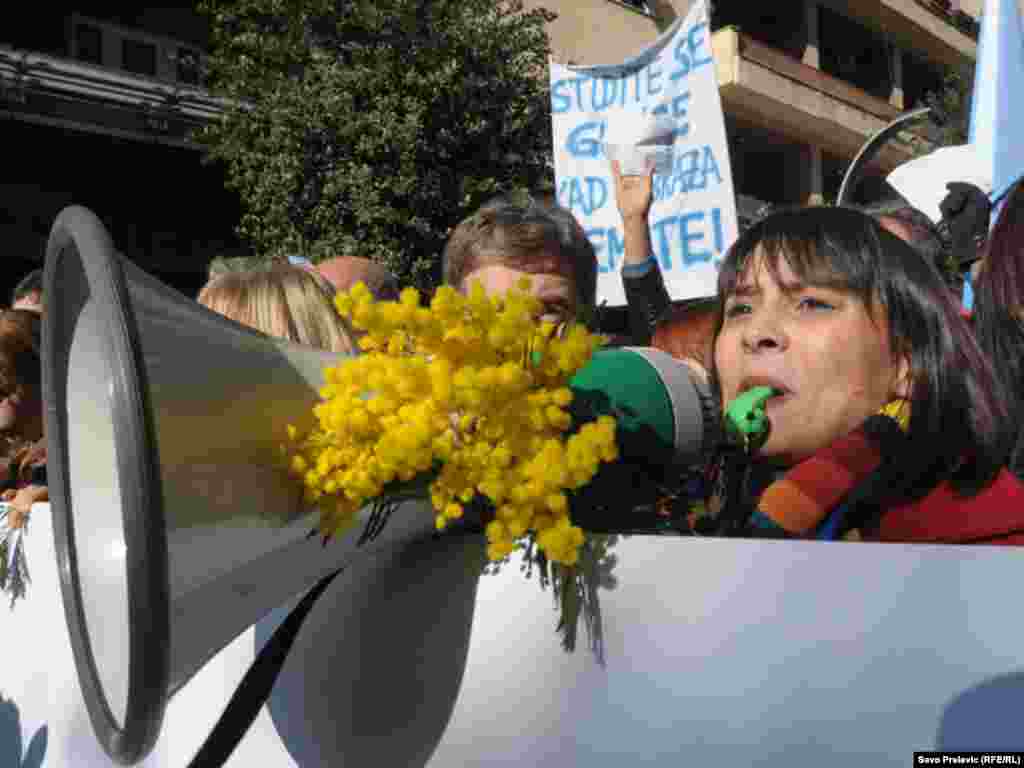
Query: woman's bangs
(815, 256)
(809, 264)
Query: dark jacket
(647, 300)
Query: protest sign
(661, 105)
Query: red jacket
(993, 516)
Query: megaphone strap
(255, 688)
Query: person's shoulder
(993, 515)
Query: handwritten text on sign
(671, 86)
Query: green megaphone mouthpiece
(746, 422)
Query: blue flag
(997, 109)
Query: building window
(833, 171)
(765, 166)
(88, 43)
(854, 55)
(138, 57)
(919, 79)
(188, 66)
(780, 25)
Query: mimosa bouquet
(465, 402)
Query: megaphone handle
(255, 688)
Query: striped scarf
(798, 504)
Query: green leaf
(374, 127)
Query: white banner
(662, 104)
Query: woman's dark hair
(998, 305)
(958, 415)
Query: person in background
(685, 332)
(28, 293)
(23, 471)
(999, 309)
(647, 299)
(515, 237)
(283, 301)
(345, 271)
(911, 226)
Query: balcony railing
(793, 69)
(958, 19)
(23, 73)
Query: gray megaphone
(176, 526)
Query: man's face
(556, 292)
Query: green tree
(953, 100)
(371, 127)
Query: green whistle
(745, 420)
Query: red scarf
(993, 516)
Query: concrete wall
(596, 31)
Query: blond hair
(282, 301)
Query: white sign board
(718, 652)
(662, 105)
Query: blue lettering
(716, 221)
(560, 100)
(596, 237)
(681, 113)
(616, 247)
(682, 61)
(708, 167)
(691, 52)
(686, 170)
(578, 82)
(695, 40)
(692, 171)
(587, 194)
(663, 245)
(597, 192)
(658, 186)
(653, 76)
(609, 92)
(687, 237)
(585, 139)
(636, 85)
(576, 198)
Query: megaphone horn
(176, 527)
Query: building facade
(95, 110)
(96, 107)
(804, 83)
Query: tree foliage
(371, 127)
(953, 101)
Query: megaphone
(176, 526)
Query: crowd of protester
(23, 468)
(898, 416)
